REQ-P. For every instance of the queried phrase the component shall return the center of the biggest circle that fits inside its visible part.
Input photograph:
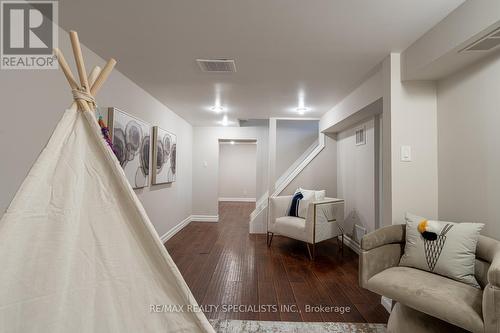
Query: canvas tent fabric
(77, 250)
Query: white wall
(34, 101)
(356, 177)
(320, 173)
(469, 145)
(411, 108)
(206, 163)
(436, 54)
(363, 102)
(237, 171)
(409, 118)
(293, 137)
(365, 94)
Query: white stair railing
(260, 205)
(282, 179)
(285, 179)
(300, 165)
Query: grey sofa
(428, 302)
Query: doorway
(237, 170)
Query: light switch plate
(405, 153)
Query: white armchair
(324, 221)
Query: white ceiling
(283, 48)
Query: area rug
(251, 326)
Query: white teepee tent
(77, 250)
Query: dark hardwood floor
(224, 265)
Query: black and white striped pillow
(294, 205)
(299, 204)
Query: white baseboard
(197, 218)
(205, 218)
(352, 244)
(169, 234)
(238, 199)
(386, 303)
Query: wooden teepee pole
(89, 86)
(66, 69)
(102, 76)
(80, 65)
(69, 76)
(94, 74)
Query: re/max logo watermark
(28, 34)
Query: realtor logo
(29, 34)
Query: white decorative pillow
(318, 195)
(304, 205)
(444, 248)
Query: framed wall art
(164, 156)
(131, 138)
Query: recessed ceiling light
(302, 109)
(217, 108)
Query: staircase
(258, 218)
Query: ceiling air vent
(217, 65)
(485, 43)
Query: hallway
(224, 265)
